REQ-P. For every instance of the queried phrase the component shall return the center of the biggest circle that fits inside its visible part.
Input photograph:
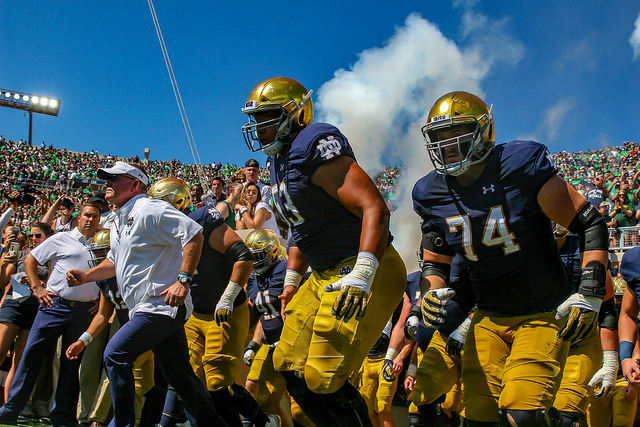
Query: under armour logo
(491, 188)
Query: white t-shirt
(59, 227)
(270, 223)
(107, 218)
(67, 251)
(147, 238)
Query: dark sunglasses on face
(36, 235)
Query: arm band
(608, 315)
(238, 251)
(253, 346)
(433, 242)
(440, 269)
(593, 280)
(592, 229)
(86, 338)
(626, 350)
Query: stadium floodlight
(29, 102)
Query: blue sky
(560, 72)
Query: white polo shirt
(147, 238)
(67, 250)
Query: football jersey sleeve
(327, 144)
(532, 161)
(630, 269)
(434, 238)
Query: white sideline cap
(122, 168)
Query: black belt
(72, 303)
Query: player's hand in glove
(250, 352)
(455, 342)
(433, 303)
(607, 375)
(354, 288)
(582, 317)
(412, 323)
(224, 308)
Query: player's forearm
(397, 334)
(191, 254)
(432, 282)
(31, 271)
(103, 271)
(627, 327)
(241, 271)
(375, 229)
(609, 339)
(406, 350)
(257, 333)
(296, 261)
(101, 319)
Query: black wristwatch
(185, 278)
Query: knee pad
(526, 418)
(569, 419)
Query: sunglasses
(115, 178)
(36, 235)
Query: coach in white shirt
(64, 311)
(154, 253)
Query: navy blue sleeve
(319, 144)
(208, 218)
(532, 163)
(630, 269)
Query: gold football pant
(214, 351)
(511, 362)
(584, 359)
(327, 351)
(437, 374)
(615, 409)
(374, 388)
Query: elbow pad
(592, 229)
(440, 269)
(608, 316)
(238, 251)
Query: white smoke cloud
(551, 121)
(381, 101)
(634, 40)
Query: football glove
(387, 365)
(433, 303)
(607, 375)
(582, 317)
(250, 352)
(412, 323)
(354, 288)
(455, 342)
(224, 308)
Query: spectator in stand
(623, 210)
(596, 193)
(66, 221)
(253, 212)
(196, 194)
(217, 188)
(19, 307)
(227, 207)
(64, 311)
(251, 172)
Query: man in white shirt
(63, 311)
(251, 172)
(154, 253)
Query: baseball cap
(122, 168)
(67, 203)
(252, 163)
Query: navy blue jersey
(110, 290)
(413, 287)
(264, 291)
(498, 226)
(630, 270)
(570, 256)
(324, 230)
(214, 269)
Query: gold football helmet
(619, 286)
(289, 100)
(173, 191)
(471, 118)
(559, 231)
(99, 247)
(264, 244)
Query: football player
(582, 367)
(493, 205)
(219, 324)
(627, 325)
(340, 228)
(264, 288)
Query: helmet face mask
(265, 247)
(262, 260)
(99, 247)
(288, 109)
(458, 133)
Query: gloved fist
(387, 365)
(433, 303)
(354, 288)
(224, 308)
(412, 323)
(250, 352)
(607, 375)
(223, 314)
(455, 342)
(582, 317)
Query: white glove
(250, 352)
(224, 308)
(582, 316)
(607, 375)
(455, 342)
(354, 288)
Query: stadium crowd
(47, 190)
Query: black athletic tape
(608, 315)
(238, 251)
(593, 280)
(440, 269)
(592, 229)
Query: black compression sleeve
(238, 251)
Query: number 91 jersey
(498, 226)
(264, 291)
(324, 230)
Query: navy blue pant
(165, 336)
(50, 322)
